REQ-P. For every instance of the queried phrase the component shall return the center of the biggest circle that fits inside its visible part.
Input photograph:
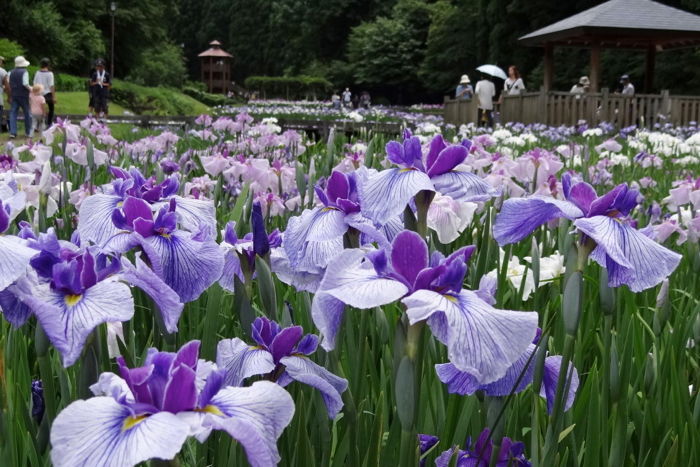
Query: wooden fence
(562, 108)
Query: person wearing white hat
(582, 87)
(19, 96)
(627, 86)
(464, 90)
(4, 87)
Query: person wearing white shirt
(514, 84)
(45, 77)
(627, 86)
(485, 91)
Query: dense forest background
(403, 51)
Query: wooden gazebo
(215, 63)
(618, 24)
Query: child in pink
(37, 105)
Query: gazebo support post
(548, 66)
(595, 68)
(649, 68)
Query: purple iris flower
(630, 257)
(187, 262)
(149, 412)
(72, 291)
(96, 211)
(314, 238)
(425, 444)
(520, 372)
(14, 252)
(480, 339)
(385, 194)
(511, 454)
(240, 252)
(282, 355)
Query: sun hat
(21, 62)
(584, 81)
(2, 59)
(624, 78)
(464, 80)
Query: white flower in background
(516, 274)
(551, 267)
(593, 132)
(449, 218)
(501, 134)
(616, 159)
(355, 116)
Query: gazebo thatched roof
(630, 24)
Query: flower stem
(407, 392)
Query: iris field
(237, 294)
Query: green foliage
(161, 65)
(154, 101)
(209, 99)
(10, 49)
(289, 87)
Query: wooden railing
(562, 108)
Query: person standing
(101, 82)
(514, 84)
(19, 96)
(335, 100)
(582, 87)
(37, 104)
(464, 90)
(627, 86)
(347, 98)
(365, 100)
(4, 88)
(45, 77)
(485, 92)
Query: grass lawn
(75, 103)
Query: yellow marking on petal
(329, 208)
(255, 347)
(131, 421)
(72, 300)
(450, 298)
(406, 169)
(212, 409)
(120, 204)
(164, 235)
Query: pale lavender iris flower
(315, 237)
(630, 256)
(94, 220)
(149, 412)
(480, 339)
(385, 194)
(282, 354)
(73, 290)
(187, 262)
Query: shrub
(211, 100)
(289, 87)
(153, 101)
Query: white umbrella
(493, 70)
